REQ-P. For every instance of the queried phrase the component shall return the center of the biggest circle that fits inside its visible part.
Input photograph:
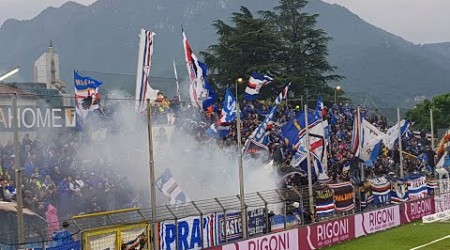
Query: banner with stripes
(143, 89)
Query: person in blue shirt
(63, 236)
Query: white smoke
(202, 170)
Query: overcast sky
(419, 21)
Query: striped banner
(143, 89)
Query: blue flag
(221, 128)
(85, 82)
(295, 127)
(212, 96)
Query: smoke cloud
(202, 170)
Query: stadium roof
(51, 96)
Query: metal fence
(106, 226)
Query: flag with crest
(197, 89)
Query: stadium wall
(342, 229)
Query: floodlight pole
(241, 165)
(308, 164)
(152, 176)
(18, 174)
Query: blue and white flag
(144, 91)
(316, 143)
(259, 136)
(399, 191)
(212, 96)
(320, 108)
(392, 134)
(87, 97)
(417, 186)
(370, 141)
(169, 187)
(228, 114)
(292, 131)
(254, 85)
(282, 95)
(197, 89)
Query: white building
(46, 70)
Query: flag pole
(432, 129)
(154, 225)
(359, 130)
(176, 81)
(308, 159)
(400, 143)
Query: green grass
(403, 237)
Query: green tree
(283, 43)
(420, 115)
(304, 51)
(249, 44)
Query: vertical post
(176, 81)
(152, 175)
(359, 131)
(400, 143)
(240, 164)
(325, 151)
(308, 159)
(18, 174)
(432, 128)
(285, 215)
(202, 240)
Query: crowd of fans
(54, 174)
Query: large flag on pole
(354, 145)
(197, 89)
(295, 128)
(258, 140)
(320, 108)
(87, 97)
(255, 84)
(371, 138)
(143, 89)
(392, 134)
(316, 143)
(212, 97)
(222, 126)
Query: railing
(221, 214)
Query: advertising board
(327, 233)
(189, 233)
(377, 220)
(285, 240)
(416, 209)
(442, 202)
